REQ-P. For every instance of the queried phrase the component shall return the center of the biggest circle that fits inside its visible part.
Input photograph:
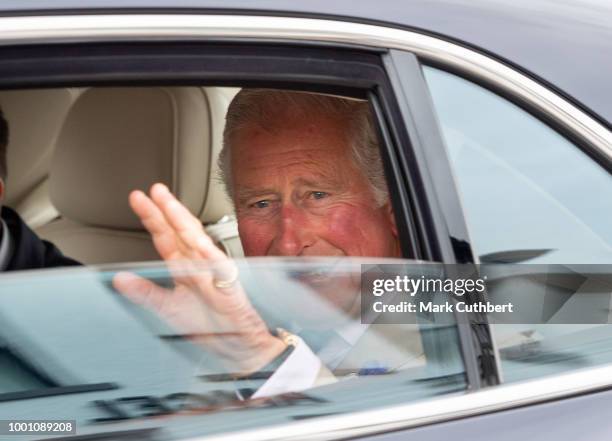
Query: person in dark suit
(20, 247)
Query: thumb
(140, 290)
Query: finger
(155, 223)
(190, 273)
(192, 235)
(149, 214)
(163, 235)
(216, 283)
(141, 291)
(161, 196)
(179, 308)
(188, 228)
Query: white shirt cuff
(298, 372)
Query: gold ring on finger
(226, 283)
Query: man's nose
(295, 233)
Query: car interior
(75, 154)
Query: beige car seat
(115, 140)
(35, 118)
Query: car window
(531, 197)
(73, 348)
(524, 187)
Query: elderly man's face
(298, 193)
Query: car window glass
(71, 347)
(523, 186)
(532, 197)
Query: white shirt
(300, 370)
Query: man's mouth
(319, 275)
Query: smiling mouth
(318, 276)
(315, 276)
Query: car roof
(565, 43)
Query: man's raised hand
(209, 305)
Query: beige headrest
(115, 140)
(34, 118)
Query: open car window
(73, 348)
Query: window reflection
(140, 367)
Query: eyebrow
(321, 180)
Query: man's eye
(261, 204)
(319, 194)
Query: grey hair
(265, 107)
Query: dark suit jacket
(29, 251)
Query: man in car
(20, 247)
(306, 178)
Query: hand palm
(222, 319)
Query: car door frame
(419, 113)
(453, 251)
(428, 150)
(345, 69)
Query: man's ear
(391, 215)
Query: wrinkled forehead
(293, 149)
(292, 132)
